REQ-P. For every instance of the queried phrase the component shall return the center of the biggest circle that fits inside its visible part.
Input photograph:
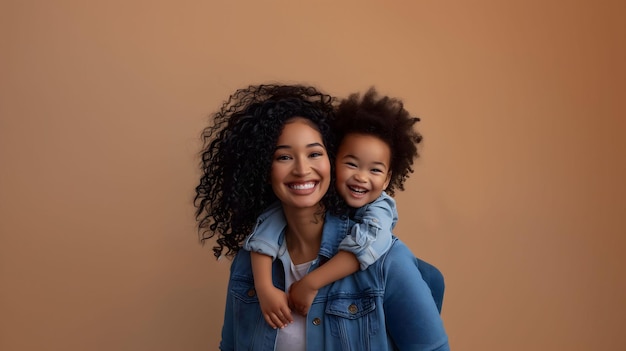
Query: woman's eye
(316, 154)
(282, 157)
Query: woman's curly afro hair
(237, 155)
(387, 119)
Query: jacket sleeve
(370, 237)
(262, 241)
(412, 317)
(264, 236)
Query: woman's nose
(301, 167)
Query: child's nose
(359, 177)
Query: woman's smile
(302, 187)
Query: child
(376, 153)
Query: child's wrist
(310, 283)
(263, 286)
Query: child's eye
(351, 164)
(376, 170)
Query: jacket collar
(335, 229)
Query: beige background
(519, 197)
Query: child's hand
(275, 307)
(301, 296)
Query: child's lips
(357, 189)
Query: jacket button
(317, 321)
(375, 220)
(353, 309)
(251, 292)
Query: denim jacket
(368, 239)
(370, 236)
(388, 306)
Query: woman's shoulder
(398, 252)
(398, 261)
(241, 264)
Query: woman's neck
(303, 234)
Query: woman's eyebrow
(316, 144)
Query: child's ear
(388, 180)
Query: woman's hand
(275, 307)
(301, 296)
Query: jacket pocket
(243, 290)
(353, 321)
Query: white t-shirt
(293, 336)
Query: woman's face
(300, 172)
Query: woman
(270, 155)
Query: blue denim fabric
(388, 306)
(263, 238)
(369, 238)
(435, 281)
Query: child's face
(362, 168)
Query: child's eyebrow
(356, 158)
(381, 164)
(350, 156)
